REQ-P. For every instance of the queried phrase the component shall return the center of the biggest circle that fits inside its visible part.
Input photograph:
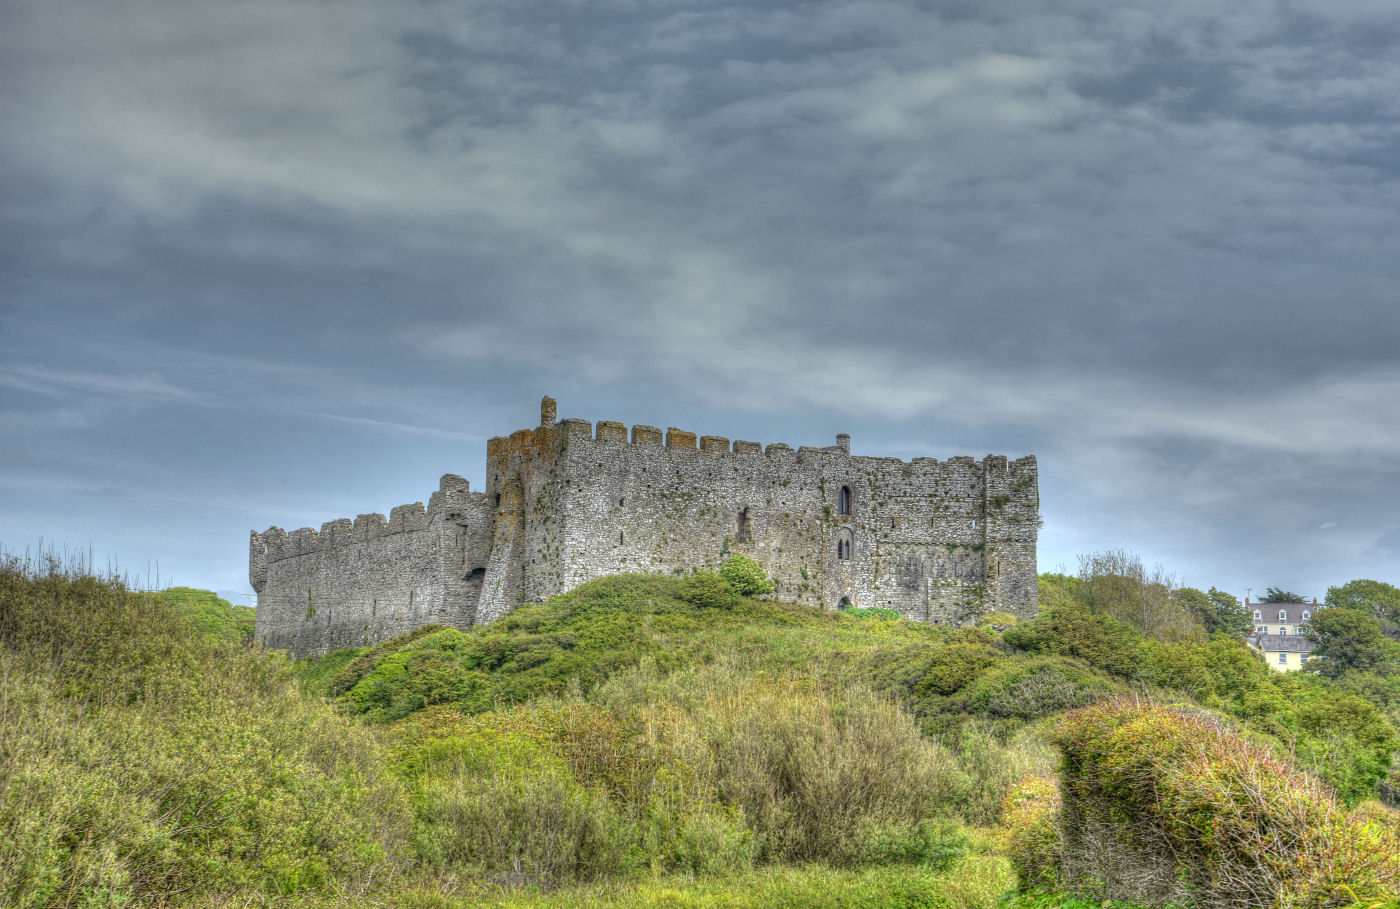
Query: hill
(210, 615)
(643, 741)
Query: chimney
(843, 442)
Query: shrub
(1074, 630)
(561, 792)
(935, 844)
(1030, 816)
(1035, 688)
(709, 590)
(746, 576)
(996, 767)
(142, 764)
(813, 769)
(1164, 802)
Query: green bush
(936, 844)
(1035, 688)
(141, 764)
(1030, 817)
(709, 590)
(812, 768)
(746, 576)
(1161, 803)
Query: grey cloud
(1153, 243)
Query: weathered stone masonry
(939, 541)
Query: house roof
(1290, 643)
(1293, 612)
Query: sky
(277, 262)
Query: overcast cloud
(282, 262)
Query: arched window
(843, 501)
(843, 549)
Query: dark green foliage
(1230, 613)
(1275, 595)
(1379, 599)
(746, 576)
(1351, 640)
(1035, 688)
(1073, 629)
(1218, 612)
(709, 590)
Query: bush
(935, 844)
(141, 764)
(1161, 803)
(1030, 816)
(813, 769)
(746, 576)
(1035, 688)
(709, 590)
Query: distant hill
(210, 614)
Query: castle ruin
(566, 502)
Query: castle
(939, 541)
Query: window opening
(743, 535)
(843, 501)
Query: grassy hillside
(642, 741)
(210, 615)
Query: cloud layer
(340, 243)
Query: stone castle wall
(939, 541)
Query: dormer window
(1258, 616)
(1306, 615)
(1283, 615)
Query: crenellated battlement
(452, 499)
(570, 500)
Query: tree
(1233, 616)
(1116, 582)
(746, 576)
(1350, 640)
(1375, 597)
(1275, 595)
(1217, 611)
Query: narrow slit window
(843, 501)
